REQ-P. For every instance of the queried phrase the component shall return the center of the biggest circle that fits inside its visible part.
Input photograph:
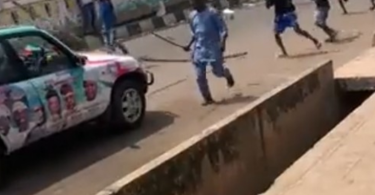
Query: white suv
(46, 88)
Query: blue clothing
(208, 29)
(109, 37)
(107, 14)
(218, 69)
(284, 21)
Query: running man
(321, 16)
(286, 17)
(209, 34)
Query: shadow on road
(356, 13)
(309, 54)
(41, 165)
(347, 38)
(237, 98)
(151, 66)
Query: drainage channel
(245, 152)
(338, 157)
(347, 102)
(352, 99)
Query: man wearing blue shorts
(286, 17)
(209, 34)
(321, 16)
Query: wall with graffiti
(48, 13)
(63, 12)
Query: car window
(9, 69)
(39, 56)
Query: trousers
(88, 17)
(218, 69)
(109, 36)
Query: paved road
(84, 162)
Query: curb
(148, 25)
(142, 28)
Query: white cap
(19, 106)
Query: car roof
(7, 30)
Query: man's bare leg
(372, 5)
(342, 5)
(307, 35)
(280, 43)
(332, 33)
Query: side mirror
(80, 60)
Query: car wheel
(128, 105)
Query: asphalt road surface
(87, 160)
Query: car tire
(128, 105)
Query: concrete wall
(358, 74)
(242, 154)
(48, 12)
(126, 10)
(298, 117)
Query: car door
(19, 102)
(57, 80)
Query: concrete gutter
(243, 153)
